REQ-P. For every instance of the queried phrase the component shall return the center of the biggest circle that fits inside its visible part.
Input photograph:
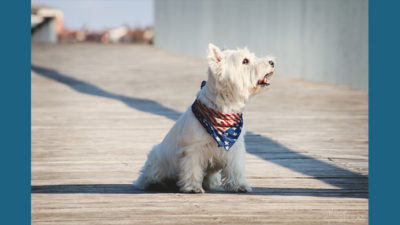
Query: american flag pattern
(224, 128)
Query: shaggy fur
(188, 154)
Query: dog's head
(238, 72)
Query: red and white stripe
(221, 121)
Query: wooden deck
(98, 109)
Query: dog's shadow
(173, 189)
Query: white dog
(206, 145)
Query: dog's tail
(140, 183)
(150, 172)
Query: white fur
(188, 154)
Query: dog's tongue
(264, 81)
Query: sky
(100, 14)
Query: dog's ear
(214, 54)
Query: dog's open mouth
(264, 81)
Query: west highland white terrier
(206, 145)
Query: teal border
(384, 111)
(15, 98)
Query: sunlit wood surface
(98, 109)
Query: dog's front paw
(238, 188)
(245, 188)
(196, 190)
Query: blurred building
(320, 40)
(127, 35)
(121, 34)
(46, 24)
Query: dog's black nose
(271, 63)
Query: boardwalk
(98, 109)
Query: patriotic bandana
(224, 128)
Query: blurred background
(318, 40)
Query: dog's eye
(271, 63)
(245, 61)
